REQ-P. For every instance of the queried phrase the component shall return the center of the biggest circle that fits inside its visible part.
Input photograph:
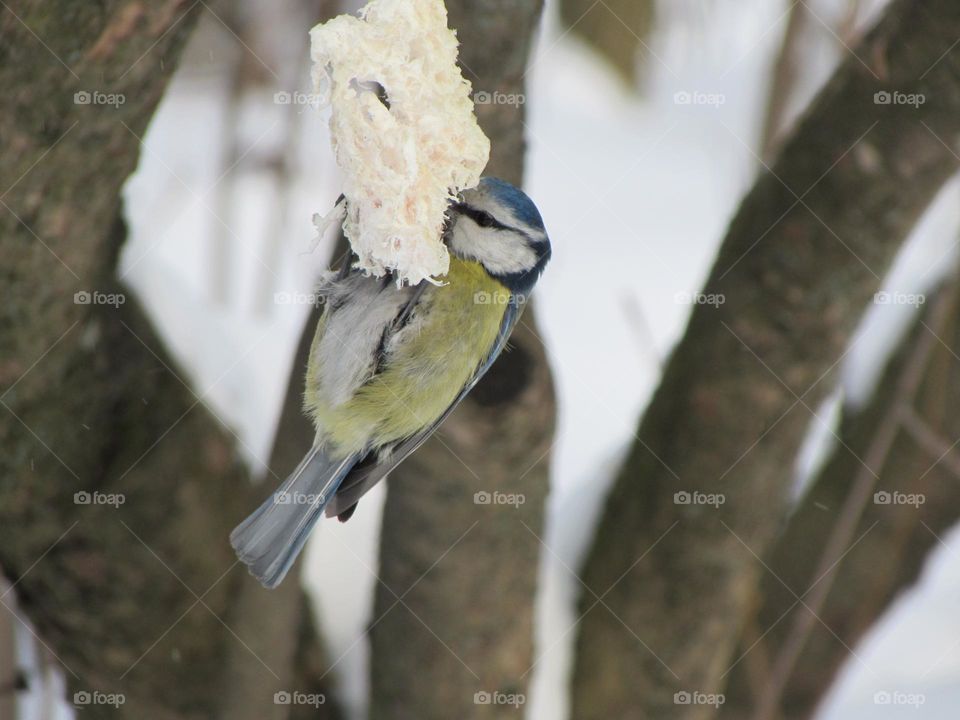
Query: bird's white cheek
(501, 252)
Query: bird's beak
(452, 210)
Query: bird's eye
(485, 219)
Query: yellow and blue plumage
(388, 364)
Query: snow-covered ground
(636, 194)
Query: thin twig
(931, 441)
(782, 83)
(642, 330)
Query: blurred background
(646, 122)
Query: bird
(389, 363)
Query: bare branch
(916, 499)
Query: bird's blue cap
(514, 198)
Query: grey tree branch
(782, 82)
(843, 533)
(926, 437)
(887, 544)
(801, 259)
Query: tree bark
(144, 598)
(882, 553)
(669, 583)
(617, 30)
(453, 611)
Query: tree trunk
(618, 30)
(141, 597)
(453, 618)
(669, 582)
(846, 553)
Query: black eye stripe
(485, 219)
(481, 217)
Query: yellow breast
(453, 331)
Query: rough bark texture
(801, 260)
(143, 599)
(454, 610)
(887, 544)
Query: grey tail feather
(270, 539)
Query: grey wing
(361, 316)
(369, 473)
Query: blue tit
(388, 365)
